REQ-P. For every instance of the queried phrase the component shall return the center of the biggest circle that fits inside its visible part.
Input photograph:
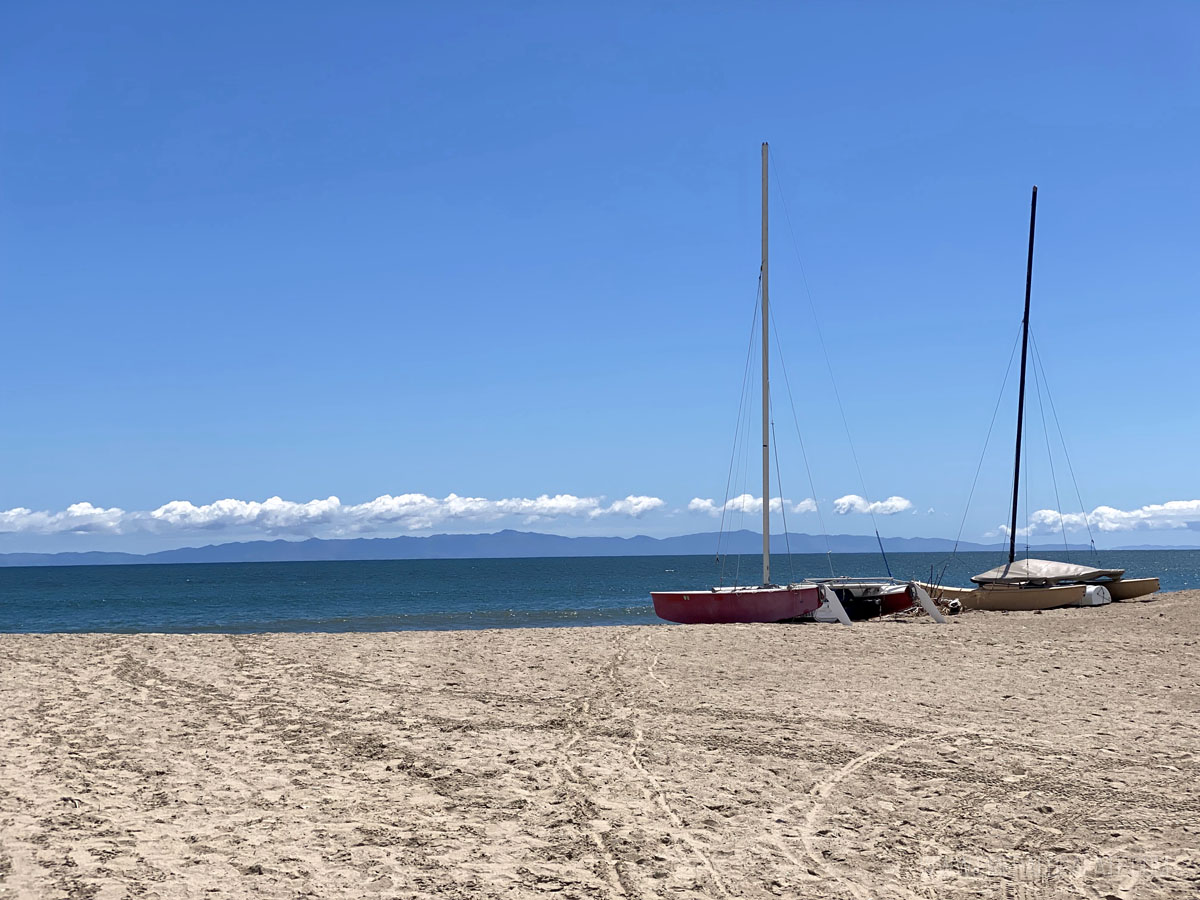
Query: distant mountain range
(507, 544)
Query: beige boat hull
(1131, 588)
(1010, 599)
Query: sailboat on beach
(834, 600)
(1031, 584)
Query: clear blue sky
(510, 250)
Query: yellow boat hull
(1005, 598)
(1131, 588)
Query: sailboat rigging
(823, 599)
(1039, 583)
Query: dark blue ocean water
(438, 594)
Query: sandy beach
(1003, 755)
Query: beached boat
(727, 605)
(766, 602)
(1010, 598)
(770, 602)
(873, 598)
(1131, 588)
(1031, 584)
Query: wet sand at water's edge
(1003, 755)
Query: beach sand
(1003, 755)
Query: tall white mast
(766, 391)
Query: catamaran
(1030, 584)
(833, 600)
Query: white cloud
(746, 503)
(852, 503)
(630, 506)
(78, 517)
(275, 515)
(1152, 517)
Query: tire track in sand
(654, 663)
(656, 794)
(579, 787)
(820, 792)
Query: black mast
(1012, 532)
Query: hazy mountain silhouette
(501, 544)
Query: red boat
(718, 606)
(899, 600)
(833, 599)
(766, 602)
(869, 598)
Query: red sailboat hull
(897, 601)
(721, 606)
(871, 598)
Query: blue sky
(507, 252)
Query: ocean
(393, 595)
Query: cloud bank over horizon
(1169, 516)
(410, 512)
(416, 512)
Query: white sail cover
(1044, 571)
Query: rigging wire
(742, 406)
(743, 473)
(803, 452)
(782, 506)
(1028, 479)
(824, 352)
(983, 453)
(1037, 385)
(745, 477)
(1037, 356)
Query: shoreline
(1038, 752)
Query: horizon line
(152, 556)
